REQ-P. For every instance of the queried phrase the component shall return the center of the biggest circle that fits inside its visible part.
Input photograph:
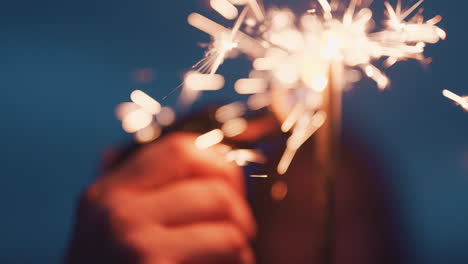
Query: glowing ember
(279, 190)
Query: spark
(259, 176)
(195, 81)
(124, 109)
(251, 86)
(146, 102)
(224, 8)
(307, 125)
(148, 134)
(136, 120)
(209, 139)
(234, 127)
(229, 111)
(244, 156)
(144, 116)
(258, 101)
(462, 101)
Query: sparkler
(301, 64)
(312, 58)
(144, 116)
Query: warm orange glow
(279, 191)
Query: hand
(170, 203)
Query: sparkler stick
(328, 151)
(309, 58)
(328, 137)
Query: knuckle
(91, 194)
(176, 144)
(122, 217)
(99, 192)
(95, 195)
(142, 243)
(136, 242)
(217, 195)
(232, 239)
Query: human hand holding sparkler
(169, 203)
(300, 66)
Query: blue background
(64, 65)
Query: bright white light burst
(298, 55)
(295, 59)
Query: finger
(208, 243)
(247, 256)
(175, 158)
(109, 158)
(198, 201)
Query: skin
(169, 203)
